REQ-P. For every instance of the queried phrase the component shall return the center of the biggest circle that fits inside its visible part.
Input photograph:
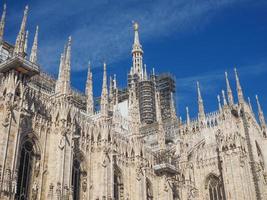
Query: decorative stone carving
(35, 189)
(7, 181)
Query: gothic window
(25, 170)
(215, 188)
(149, 193)
(118, 184)
(76, 179)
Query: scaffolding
(165, 84)
(146, 93)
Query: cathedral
(60, 144)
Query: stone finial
(33, 56)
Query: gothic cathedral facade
(56, 145)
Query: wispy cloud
(101, 29)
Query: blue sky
(192, 39)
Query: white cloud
(101, 29)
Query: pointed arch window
(215, 188)
(118, 184)
(76, 179)
(25, 171)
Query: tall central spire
(137, 53)
(20, 41)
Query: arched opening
(149, 192)
(118, 184)
(76, 179)
(25, 171)
(214, 186)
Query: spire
(158, 107)
(239, 88)
(137, 52)
(145, 73)
(67, 62)
(116, 98)
(134, 110)
(201, 112)
(104, 94)
(219, 103)
(63, 82)
(26, 41)
(2, 23)
(33, 56)
(20, 41)
(60, 74)
(249, 104)
(136, 45)
(224, 98)
(115, 81)
(89, 92)
(173, 111)
(161, 132)
(229, 90)
(111, 93)
(260, 113)
(187, 116)
(111, 82)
